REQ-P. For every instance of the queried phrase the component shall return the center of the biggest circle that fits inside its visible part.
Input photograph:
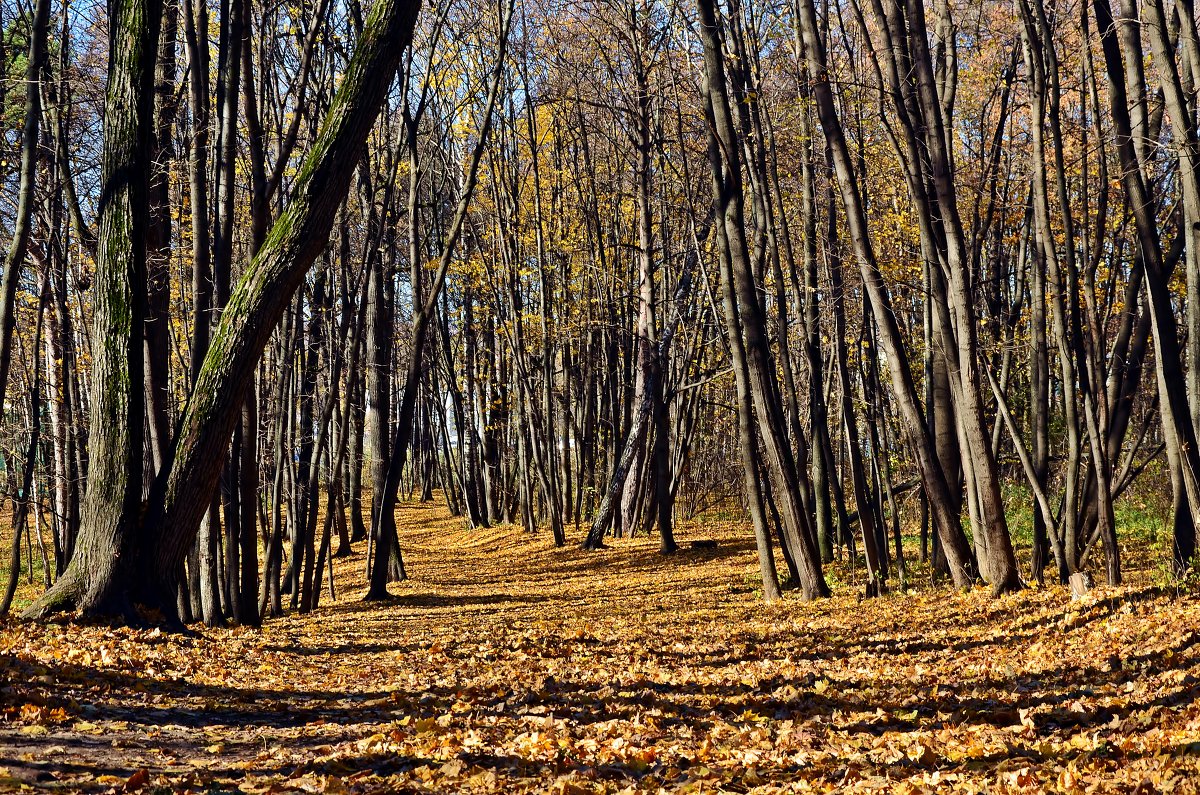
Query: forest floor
(505, 665)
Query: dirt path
(505, 665)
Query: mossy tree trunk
(108, 551)
(267, 286)
(109, 538)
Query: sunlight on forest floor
(505, 665)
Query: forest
(599, 395)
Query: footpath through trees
(506, 665)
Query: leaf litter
(505, 665)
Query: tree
(19, 244)
(114, 538)
(746, 323)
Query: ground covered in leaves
(505, 665)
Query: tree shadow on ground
(417, 664)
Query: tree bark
(941, 503)
(744, 313)
(109, 541)
(23, 223)
(181, 496)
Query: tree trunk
(181, 496)
(937, 492)
(424, 313)
(1179, 435)
(107, 551)
(23, 223)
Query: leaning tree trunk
(1177, 431)
(182, 494)
(1186, 143)
(745, 319)
(973, 425)
(954, 544)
